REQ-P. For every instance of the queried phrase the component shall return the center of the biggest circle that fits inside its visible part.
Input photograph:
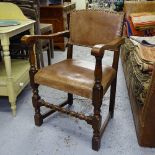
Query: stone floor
(63, 135)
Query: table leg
(7, 60)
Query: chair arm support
(98, 50)
(31, 39)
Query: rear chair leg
(35, 100)
(112, 98)
(70, 99)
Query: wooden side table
(58, 15)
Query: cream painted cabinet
(14, 74)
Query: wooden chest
(58, 15)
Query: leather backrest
(138, 6)
(90, 27)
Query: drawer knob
(21, 84)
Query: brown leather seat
(75, 77)
(101, 30)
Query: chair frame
(95, 119)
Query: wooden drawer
(22, 82)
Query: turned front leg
(35, 100)
(97, 102)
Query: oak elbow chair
(100, 30)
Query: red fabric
(133, 30)
(143, 20)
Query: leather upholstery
(74, 76)
(109, 25)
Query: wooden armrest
(98, 50)
(31, 39)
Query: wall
(80, 4)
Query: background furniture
(58, 16)
(141, 85)
(13, 73)
(86, 79)
(31, 9)
(82, 4)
